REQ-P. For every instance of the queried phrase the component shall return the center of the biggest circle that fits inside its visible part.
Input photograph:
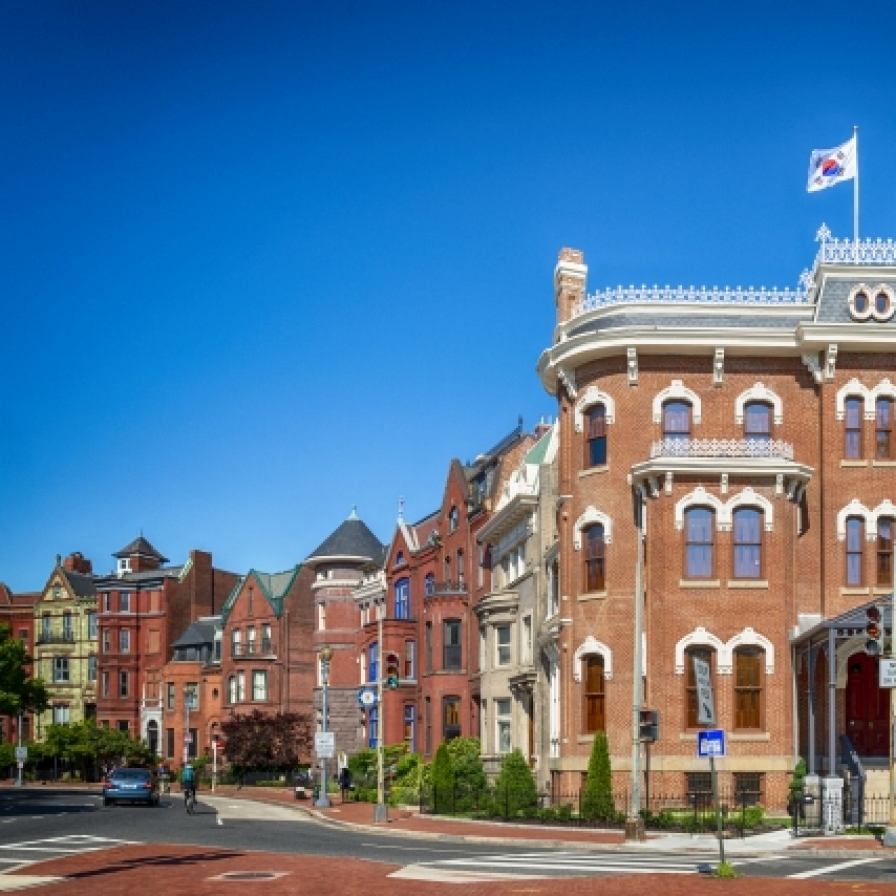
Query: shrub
(470, 782)
(515, 787)
(753, 816)
(597, 800)
(442, 776)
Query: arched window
(855, 539)
(594, 710)
(699, 527)
(885, 527)
(595, 566)
(429, 584)
(403, 599)
(692, 708)
(747, 530)
(757, 421)
(852, 413)
(399, 558)
(883, 430)
(676, 420)
(596, 436)
(749, 663)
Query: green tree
(19, 692)
(470, 781)
(515, 787)
(442, 780)
(597, 800)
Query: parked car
(134, 785)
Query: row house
(142, 605)
(726, 459)
(267, 660)
(17, 613)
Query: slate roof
(351, 539)
(82, 585)
(197, 634)
(833, 303)
(141, 546)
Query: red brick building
(753, 430)
(17, 612)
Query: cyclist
(188, 785)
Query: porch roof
(850, 623)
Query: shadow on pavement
(155, 861)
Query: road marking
(829, 869)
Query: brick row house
(17, 612)
(745, 439)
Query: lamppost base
(380, 812)
(634, 830)
(322, 802)
(889, 835)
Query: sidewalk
(410, 822)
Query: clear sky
(265, 261)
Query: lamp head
(326, 654)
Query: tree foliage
(597, 799)
(260, 741)
(515, 787)
(466, 764)
(19, 692)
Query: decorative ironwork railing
(866, 252)
(55, 637)
(771, 448)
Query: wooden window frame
(708, 653)
(889, 429)
(446, 645)
(712, 545)
(884, 559)
(860, 552)
(857, 429)
(760, 573)
(600, 696)
(766, 436)
(596, 433)
(594, 552)
(759, 653)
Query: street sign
(367, 697)
(20, 764)
(706, 707)
(711, 743)
(886, 673)
(21, 754)
(188, 737)
(325, 744)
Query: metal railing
(55, 637)
(764, 448)
(252, 648)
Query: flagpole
(855, 195)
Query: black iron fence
(688, 812)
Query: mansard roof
(141, 547)
(351, 540)
(197, 633)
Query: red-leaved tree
(256, 740)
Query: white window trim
(758, 392)
(872, 295)
(856, 508)
(677, 392)
(591, 515)
(591, 647)
(724, 510)
(750, 638)
(594, 396)
(855, 389)
(725, 649)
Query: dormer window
(860, 303)
(124, 564)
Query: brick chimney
(570, 279)
(77, 562)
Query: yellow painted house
(65, 643)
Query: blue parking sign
(710, 743)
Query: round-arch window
(860, 303)
(881, 303)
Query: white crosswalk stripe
(14, 856)
(550, 864)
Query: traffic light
(392, 669)
(649, 725)
(874, 632)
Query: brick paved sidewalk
(196, 871)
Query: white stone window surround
(591, 397)
(677, 392)
(592, 647)
(699, 497)
(855, 389)
(871, 310)
(590, 516)
(761, 393)
(856, 508)
(724, 649)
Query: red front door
(867, 707)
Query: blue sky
(266, 261)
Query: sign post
(710, 743)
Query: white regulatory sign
(706, 707)
(21, 754)
(325, 744)
(886, 673)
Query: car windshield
(133, 774)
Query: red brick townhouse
(754, 431)
(17, 612)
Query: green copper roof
(538, 451)
(274, 586)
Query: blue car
(133, 785)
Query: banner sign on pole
(706, 707)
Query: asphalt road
(37, 824)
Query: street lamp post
(189, 692)
(326, 654)
(20, 766)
